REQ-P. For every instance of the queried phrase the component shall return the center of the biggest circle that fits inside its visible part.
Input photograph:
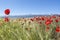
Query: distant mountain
(26, 16)
(21, 16)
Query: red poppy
(59, 15)
(6, 19)
(40, 22)
(51, 20)
(48, 21)
(47, 28)
(56, 20)
(53, 16)
(7, 11)
(57, 29)
(38, 19)
(32, 19)
(42, 18)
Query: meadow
(35, 28)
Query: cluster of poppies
(7, 12)
(47, 20)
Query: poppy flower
(37, 19)
(6, 19)
(42, 18)
(56, 20)
(53, 16)
(7, 11)
(47, 22)
(57, 29)
(31, 19)
(50, 20)
(47, 28)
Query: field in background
(35, 28)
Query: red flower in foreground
(6, 19)
(57, 29)
(7, 11)
(48, 22)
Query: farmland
(35, 28)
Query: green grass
(21, 30)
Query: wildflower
(56, 20)
(57, 29)
(37, 19)
(53, 16)
(42, 18)
(0, 23)
(31, 19)
(7, 11)
(48, 22)
(51, 20)
(6, 19)
(59, 15)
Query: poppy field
(35, 28)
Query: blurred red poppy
(7, 11)
(53, 16)
(32, 19)
(48, 21)
(37, 19)
(56, 20)
(42, 18)
(40, 22)
(57, 29)
(6, 19)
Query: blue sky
(30, 7)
